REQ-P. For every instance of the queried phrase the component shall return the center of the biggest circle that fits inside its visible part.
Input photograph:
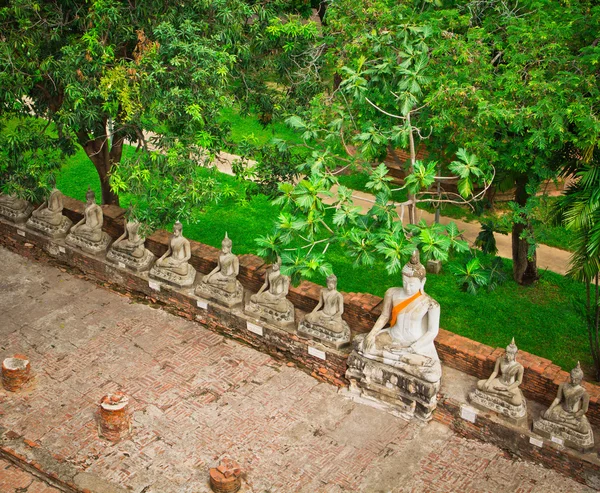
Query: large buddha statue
(565, 418)
(87, 234)
(173, 267)
(128, 250)
(500, 392)
(14, 209)
(271, 303)
(325, 322)
(397, 360)
(48, 218)
(221, 283)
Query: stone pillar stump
(226, 478)
(16, 372)
(114, 417)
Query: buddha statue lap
(500, 392)
(48, 218)
(565, 418)
(129, 251)
(221, 283)
(173, 267)
(271, 303)
(397, 361)
(87, 234)
(325, 322)
(15, 209)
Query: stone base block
(93, 247)
(16, 372)
(409, 395)
(329, 338)
(135, 264)
(16, 216)
(175, 280)
(226, 298)
(583, 442)
(114, 417)
(226, 478)
(284, 320)
(50, 230)
(516, 415)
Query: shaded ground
(15, 480)
(198, 397)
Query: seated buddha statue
(565, 418)
(409, 322)
(500, 391)
(271, 303)
(129, 250)
(221, 283)
(173, 266)
(87, 234)
(14, 209)
(325, 321)
(48, 217)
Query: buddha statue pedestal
(396, 362)
(325, 322)
(48, 218)
(173, 267)
(565, 418)
(406, 393)
(87, 244)
(128, 250)
(14, 209)
(270, 303)
(500, 392)
(221, 284)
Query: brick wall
(540, 382)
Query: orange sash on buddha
(401, 306)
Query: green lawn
(541, 318)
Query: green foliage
(473, 272)
(29, 158)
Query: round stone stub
(16, 372)
(226, 478)
(114, 418)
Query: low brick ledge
(540, 381)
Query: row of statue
(395, 363)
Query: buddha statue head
(413, 275)
(90, 196)
(576, 375)
(177, 229)
(277, 265)
(226, 244)
(511, 350)
(332, 282)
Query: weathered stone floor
(15, 480)
(198, 397)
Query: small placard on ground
(202, 304)
(20, 232)
(560, 441)
(154, 285)
(256, 329)
(317, 353)
(468, 414)
(61, 249)
(122, 265)
(536, 441)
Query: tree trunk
(524, 268)
(103, 158)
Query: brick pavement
(15, 480)
(199, 397)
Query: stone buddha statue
(325, 322)
(173, 267)
(14, 209)
(500, 392)
(565, 418)
(128, 249)
(87, 234)
(221, 283)
(271, 303)
(48, 218)
(397, 360)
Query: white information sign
(61, 249)
(535, 441)
(560, 441)
(468, 414)
(122, 265)
(202, 304)
(20, 232)
(256, 329)
(154, 285)
(317, 353)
